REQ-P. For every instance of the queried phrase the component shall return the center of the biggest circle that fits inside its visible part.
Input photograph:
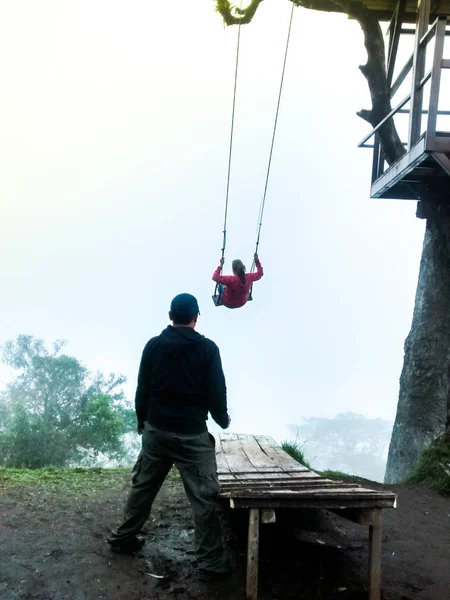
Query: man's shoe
(129, 546)
(211, 576)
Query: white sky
(114, 120)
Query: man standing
(180, 380)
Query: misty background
(115, 123)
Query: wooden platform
(423, 163)
(256, 474)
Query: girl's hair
(239, 269)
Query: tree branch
(233, 15)
(374, 70)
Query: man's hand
(140, 428)
(256, 256)
(222, 260)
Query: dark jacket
(180, 380)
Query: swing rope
(231, 142)
(218, 291)
(263, 201)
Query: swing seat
(218, 301)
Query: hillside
(54, 525)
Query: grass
(296, 452)
(78, 481)
(430, 471)
(339, 476)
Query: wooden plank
(375, 557)
(258, 483)
(283, 482)
(255, 476)
(341, 493)
(277, 454)
(271, 477)
(260, 488)
(276, 473)
(221, 459)
(236, 459)
(227, 477)
(314, 502)
(252, 554)
(254, 453)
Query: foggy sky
(114, 120)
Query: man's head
(184, 310)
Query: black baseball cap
(184, 308)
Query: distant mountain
(350, 443)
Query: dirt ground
(52, 547)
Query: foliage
(296, 452)
(433, 470)
(55, 412)
(233, 14)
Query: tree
(423, 412)
(55, 412)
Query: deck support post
(375, 556)
(252, 554)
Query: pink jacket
(236, 293)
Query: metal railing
(416, 63)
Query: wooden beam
(296, 502)
(252, 554)
(375, 556)
(339, 494)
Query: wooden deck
(256, 474)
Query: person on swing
(234, 290)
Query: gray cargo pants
(195, 457)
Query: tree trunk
(423, 412)
(424, 398)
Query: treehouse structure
(418, 92)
